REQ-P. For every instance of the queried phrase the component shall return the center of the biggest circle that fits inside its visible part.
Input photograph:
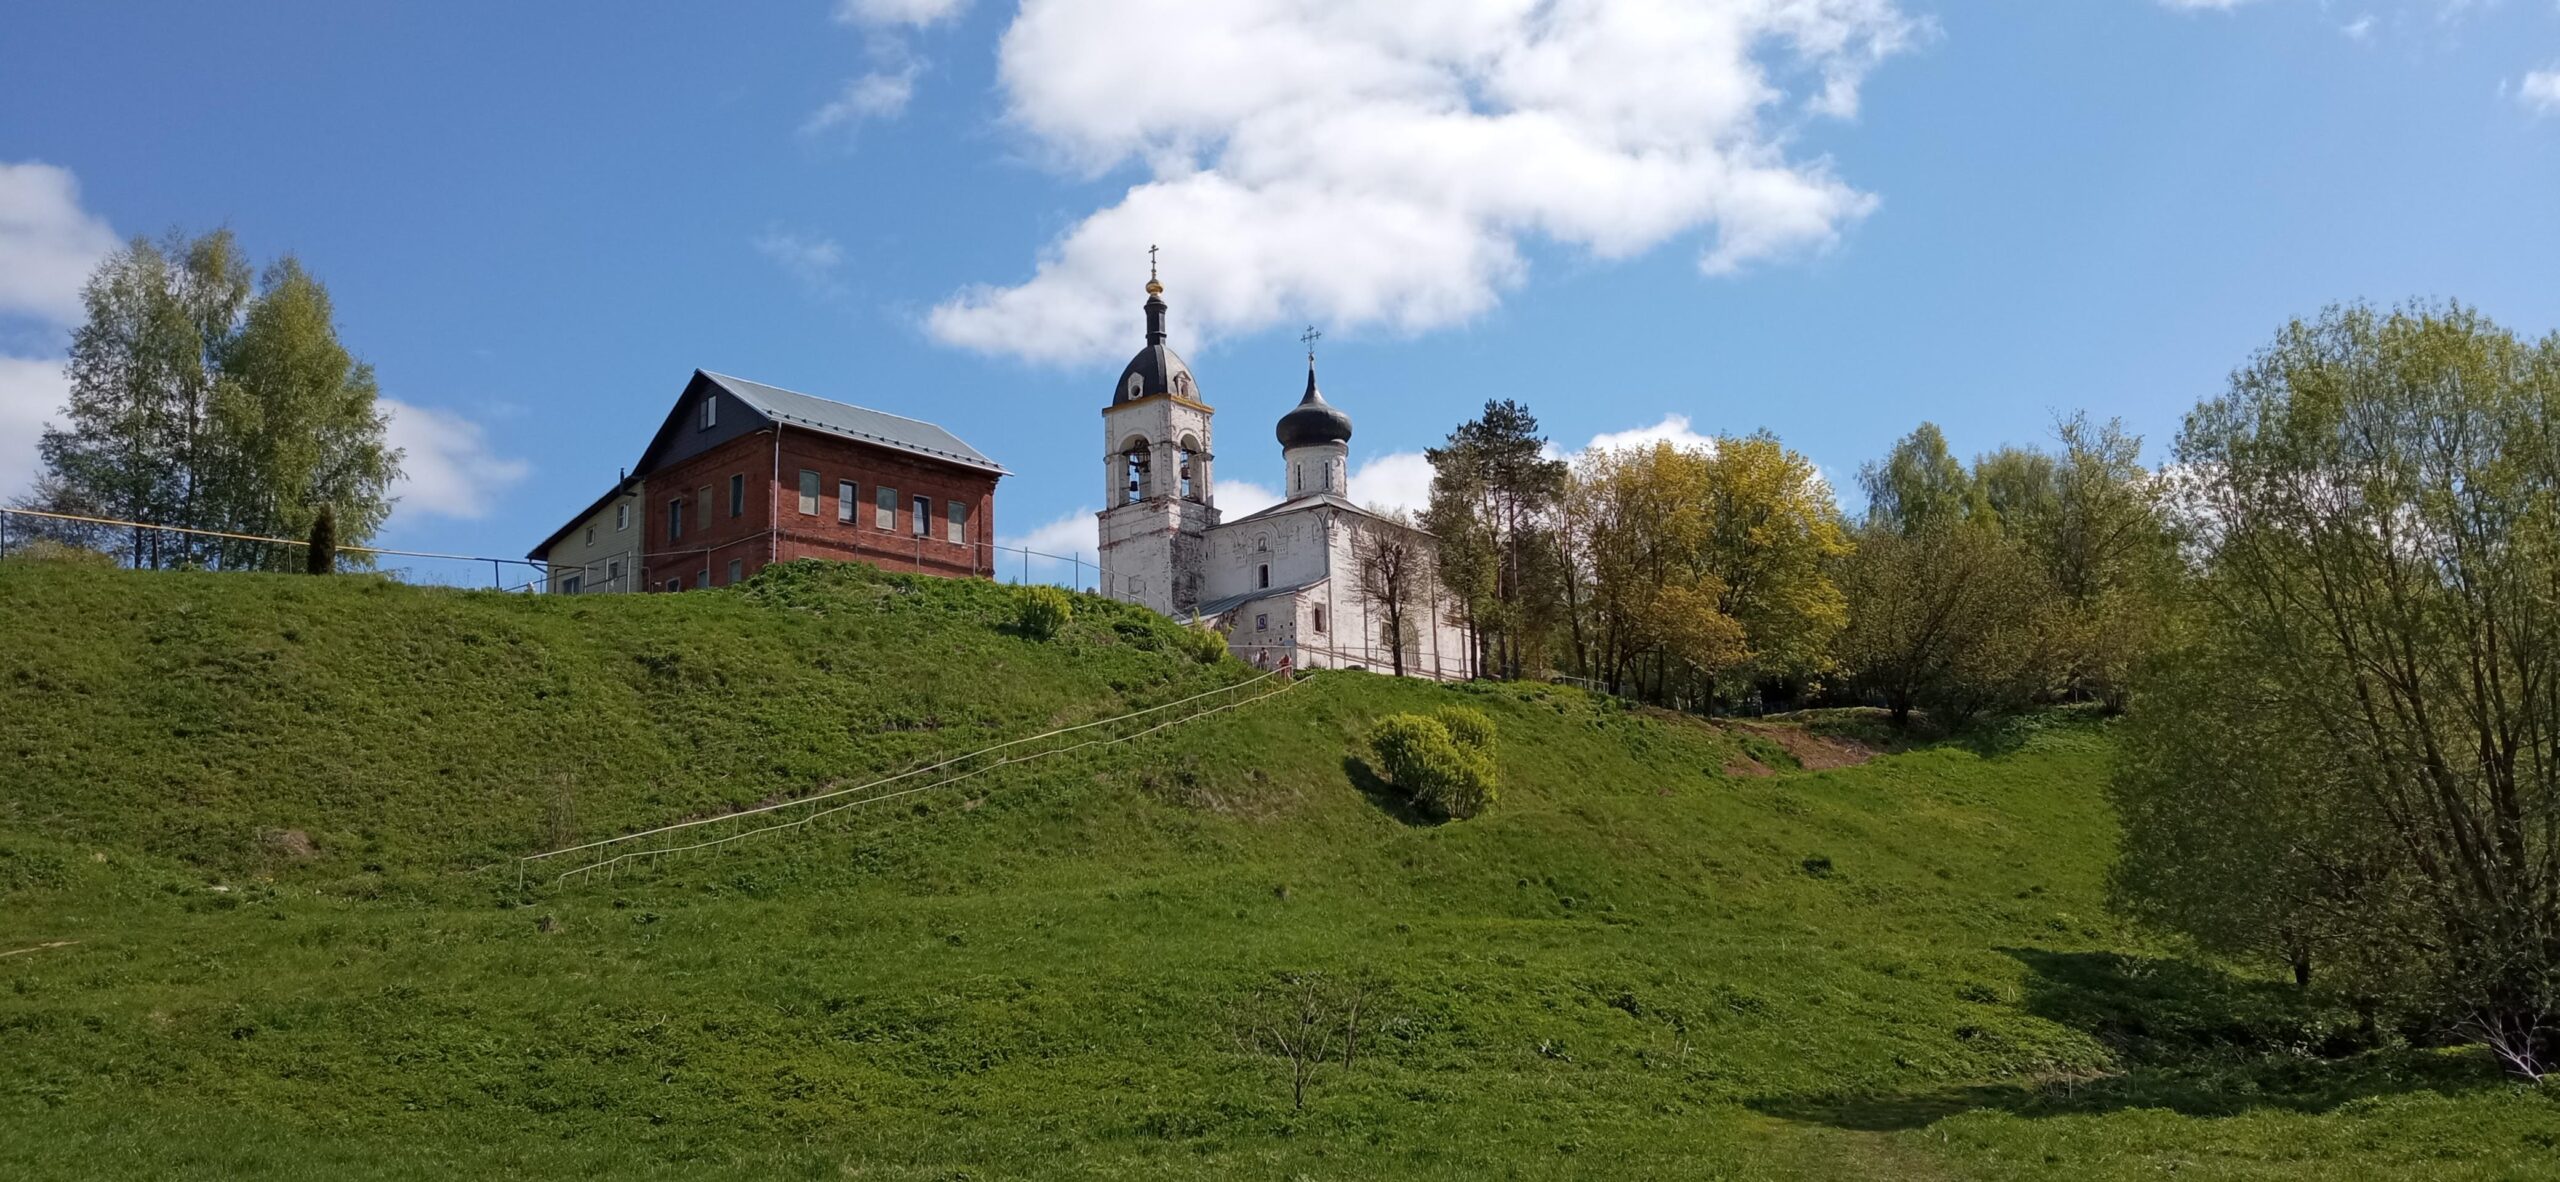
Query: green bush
(1205, 645)
(1418, 755)
(1042, 612)
(1470, 727)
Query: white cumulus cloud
(448, 467)
(48, 243)
(31, 392)
(1387, 164)
(2540, 91)
(1674, 429)
(1396, 480)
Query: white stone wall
(1317, 543)
(1317, 468)
(1293, 544)
(1356, 627)
(1153, 549)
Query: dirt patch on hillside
(1814, 752)
(292, 845)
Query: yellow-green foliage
(1042, 612)
(1420, 755)
(1204, 645)
(1470, 727)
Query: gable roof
(1328, 500)
(625, 485)
(809, 412)
(853, 422)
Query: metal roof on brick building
(853, 422)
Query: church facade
(1315, 580)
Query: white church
(1285, 583)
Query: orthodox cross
(1151, 264)
(1309, 339)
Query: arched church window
(1262, 576)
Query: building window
(675, 519)
(1319, 617)
(1137, 386)
(922, 517)
(572, 585)
(737, 569)
(1262, 622)
(885, 507)
(702, 578)
(1262, 575)
(675, 584)
(808, 493)
(591, 535)
(613, 572)
(710, 412)
(957, 519)
(737, 494)
(621, 517)
(847, 504)
(702, 506)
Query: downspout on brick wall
(773, 504)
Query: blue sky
(1828, 218)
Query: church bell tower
(1157, 500)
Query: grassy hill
(277, 817)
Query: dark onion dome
(1157, 368)
(1314, 421)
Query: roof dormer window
(1137, 387)
(710, 412)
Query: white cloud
(2540, 91)
(1384, 164)
(1396, 480)
(31, 391)
(48, 247)
(897, 12)
(811, 260)
(1674, 429)
(880, 94)
(48, 243)
(1078, 532)
(448, 468)
(1239, 498)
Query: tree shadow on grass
(2185, 1037)
(1384, 795)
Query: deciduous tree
(2376, 515)
(196, 402)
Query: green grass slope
(259, 917)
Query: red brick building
(743, 474)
